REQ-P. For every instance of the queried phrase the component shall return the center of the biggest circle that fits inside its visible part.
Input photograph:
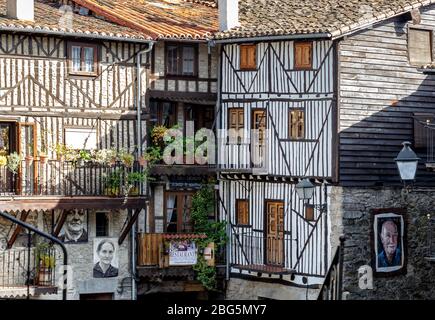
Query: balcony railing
(67, 178)
(22, 267)
(154, 249)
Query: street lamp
(407, 162)
(305, 189)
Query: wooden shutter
(303, 55)
(248, 58)
(421, 133)
(420, 47)
(297, 125)
(236, 118)
(242, 211)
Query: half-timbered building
(68, 106)
(181, 91)
(325, 91)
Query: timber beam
(17, 230)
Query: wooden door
(275, 233)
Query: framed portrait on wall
(389, 242)
(75, 227)
(106, 261)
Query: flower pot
(29, 160)
(134, 192)
(112, 191)
(43, 158)
(44, 276)
(142, 161)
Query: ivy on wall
(203, 206)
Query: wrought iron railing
(32, 266)
(67, 178)
(332, 288)
(249, 248)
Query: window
(81, 138)
(303, 55)
(83, 58)
(236, 118)
(248, 57)
(201, 115)
(297, 128)
(181, 60)
(420, 47)
(236, 123)
(242, 212)
(163, 113)
(309, 212)
(421, 131)
(101, 224)
(177, 212)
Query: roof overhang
(60, 33)
(325, 35)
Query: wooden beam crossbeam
(60, 223)
(17, 230)
(129, 225)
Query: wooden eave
(66, 203)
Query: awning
(21, 291)
(187, 97)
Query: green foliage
(13, 162)
(203, 205)
(113, 179)
(85, 155)
(135, 177)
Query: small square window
(83, 58)
(303, 55)
(248, 57)
(181, 60)
(420, 47)
(242, 212)
(296, 125)
(101, 224)
(81, 138)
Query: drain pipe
(139, 154)
(47, 236)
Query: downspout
(47, 236)
(139, 154)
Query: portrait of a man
(105, 258)
(389, 242)
(75, 227)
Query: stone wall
(242, 289)
(353, 205)
(80, 258)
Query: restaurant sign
(182, 253)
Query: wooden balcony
(156, 256)
(70, 179)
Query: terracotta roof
(48, 15)
(160, 19)
(260, 18)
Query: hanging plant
(203, 205)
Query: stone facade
(241, 289)
(350, 213)
(81, 258)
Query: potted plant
(43, 157)
(112, 183)
(84, 156)
(106, 157)
(45, 263)
(126, 158)
(13, 162)
(133, 180)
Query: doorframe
(265, 226)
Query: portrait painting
(106, 262)
(75, 227)
(389, 243)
